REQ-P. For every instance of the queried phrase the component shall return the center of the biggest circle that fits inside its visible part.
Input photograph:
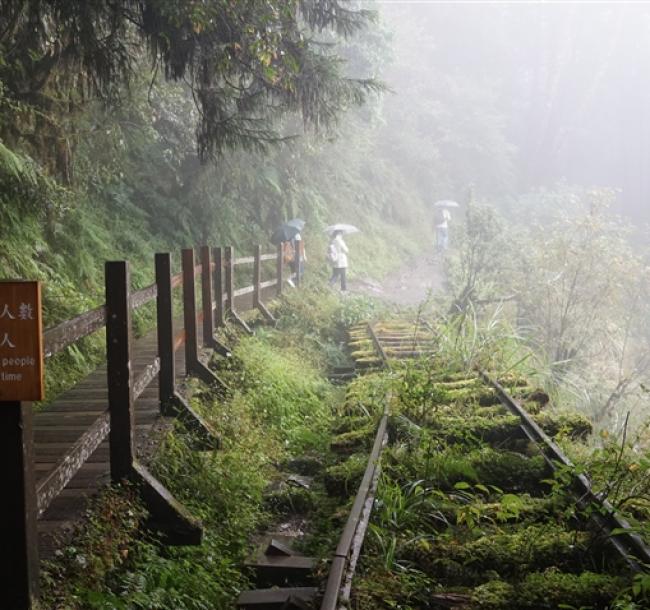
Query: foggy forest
(317, 271)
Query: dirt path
(408, 286)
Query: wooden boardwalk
(100, 431)
(65, 421)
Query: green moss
(507, 554)
(344, 478)
(532, 547)
(350, 423)
(355, 440)
(529, 510)
(291, 500)
(509, 470)
(493, 595)
(488, 429)
(551, 588)
(572, 425)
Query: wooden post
(257, 275)
(165, 328)
(19, 564)
(257, 281)
(230, 280)
(217, 255)
(172, 403)
(189, 311)
(280, 270)
(193, 366)
(118, 359)
(206, 297)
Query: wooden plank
(70, 434)
(242, 291)
(147, 376)
(144, 296)
(268, 284)
(206, 297)
(268, 257)
(61, 336)
(63, 418)
(67, 419)
(70, 464)
(217, 306)
(189, 309)
(230, 287)
(279, 268)
(244, 260)
(165, 329)
(270, 599)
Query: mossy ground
(469, 515)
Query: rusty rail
(341, 556)
(629, 544)
(344, 560)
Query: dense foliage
(244, 63)
(560, 277)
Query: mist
(515, 97)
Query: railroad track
(375, 346)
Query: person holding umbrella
(299, 255)
(285, 236)
(442, 218)
(337, 253)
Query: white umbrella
(445, 203)
(345, 229)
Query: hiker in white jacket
(337, 253)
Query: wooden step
(281, 570)
(294, 598)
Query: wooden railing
(215, 266)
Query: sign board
(21, 341)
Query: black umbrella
(284, 232)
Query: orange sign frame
(21, 341)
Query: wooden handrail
(143, 296)
(66, 333)
(147, 376)
(240, 292)
(244, 260)
(69, 464)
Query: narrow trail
(408, 286)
